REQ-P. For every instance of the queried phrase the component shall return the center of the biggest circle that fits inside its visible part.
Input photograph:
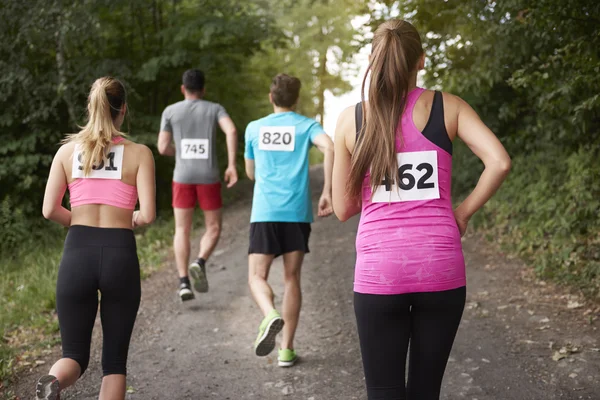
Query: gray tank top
(193, 124)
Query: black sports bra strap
(358, 117)
(435, 129)
(437, 108)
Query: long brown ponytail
(396, 52)
(105, 102)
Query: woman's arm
(325, 145)
(55, 191)
(146, 187)
(482, 141)
(345, 134)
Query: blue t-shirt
(279, 145)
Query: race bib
(417, 179)
(195, 149)
(277, 138)
(111, 166)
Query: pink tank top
(408, 240)
(103, 185)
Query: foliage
(531, 70)
(317, 44)
(52, 51)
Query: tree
(317, 45)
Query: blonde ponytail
(105, 102)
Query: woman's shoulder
(65, 150)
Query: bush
(548, 210)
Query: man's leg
(213, 222)
(181, 245)
(181, 241)
(272, 323)
(258, 273)
(211, 203)
(292, 296)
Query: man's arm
(250, 168)
(165, 143)
(228, 127)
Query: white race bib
(197, 149)
(111, 166)
(277, 138)
(417, 177)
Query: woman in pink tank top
(393, 164)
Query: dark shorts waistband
(86, 236)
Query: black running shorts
(278, 237)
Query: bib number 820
(277, 138)
(417, 179)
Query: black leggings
(385, 325)
(105, 260)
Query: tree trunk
(322, 77)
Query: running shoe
(185, 292)
(287, 357)
(198, 274)
(47, 388)
(270, 326)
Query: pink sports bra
(109, 191)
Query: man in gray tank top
(188, 132)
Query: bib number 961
(277, 138)
(194, 149)
(417, 179)
(109, 168)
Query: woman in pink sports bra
(105, 174)
(393, 164)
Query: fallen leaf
(574, 304)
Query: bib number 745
(196, 149)
(417, 179)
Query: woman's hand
(134, 219)
(462, 223)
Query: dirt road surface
(512, 328)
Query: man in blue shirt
(276, 155)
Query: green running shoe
(287, 357)
(270, 326)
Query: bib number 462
(417, 179)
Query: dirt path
(511, 329)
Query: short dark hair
(285, 90)
(193, 80)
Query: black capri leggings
(105, 260)
(386, 323)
